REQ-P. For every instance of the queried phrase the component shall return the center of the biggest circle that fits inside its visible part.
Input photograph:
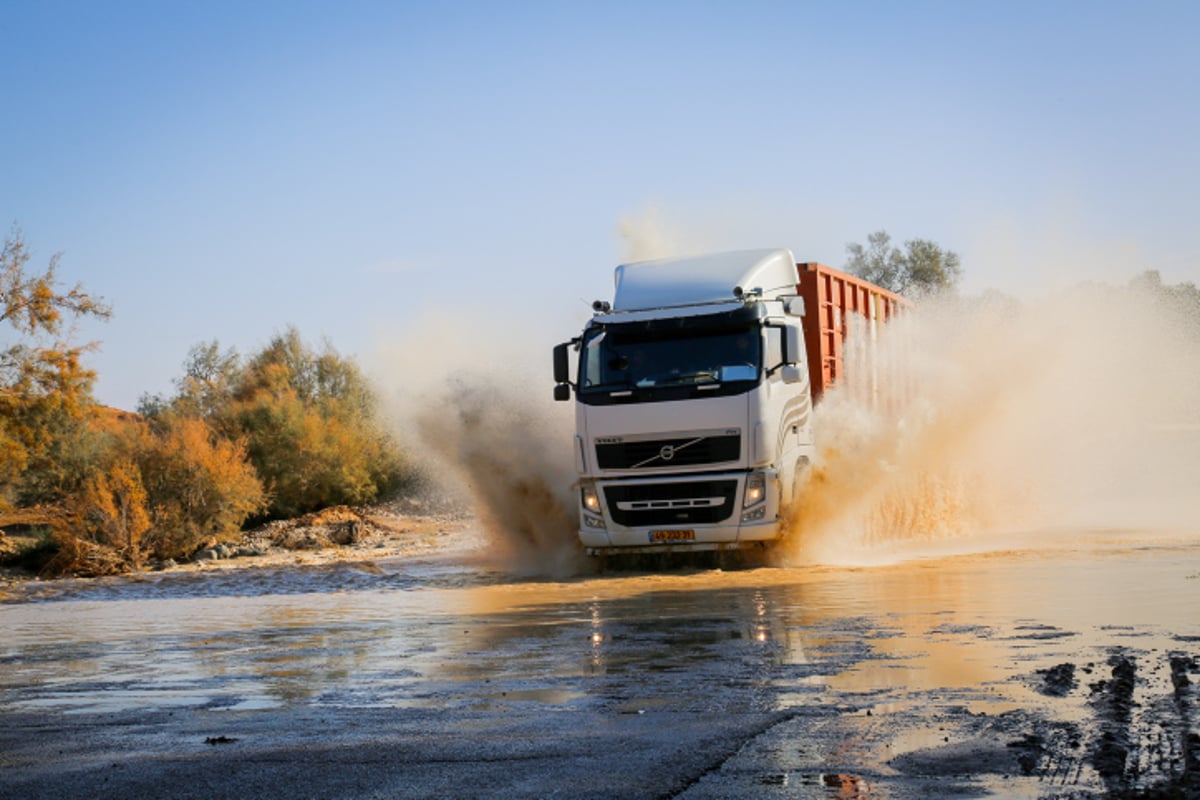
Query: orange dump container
(838, 305)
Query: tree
(308, 420)
(45, 391)
(921, 268)
(878, 262)
(314, 434)
(1180, 300)
(206, 388)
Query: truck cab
(693, 405)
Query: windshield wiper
(608, 387)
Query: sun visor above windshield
(704, 279)
(708, 317)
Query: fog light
(754, 514)
(593, 522)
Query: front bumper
(682, 513)
(717, 538)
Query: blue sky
(221, 170)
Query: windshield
(619, 358)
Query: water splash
(514, 458)
(1078, 410)
(478, 409)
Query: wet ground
(1057, 664)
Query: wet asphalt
(1068, 672)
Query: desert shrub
(105, 524)
(160, 491)
(115, 509)
(115, 488)
(308, 418)
(200, 487)
(313, 456)
(71, 451)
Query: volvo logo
(667, 452)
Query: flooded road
(1055, 664)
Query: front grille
(689, 503)
(686, 451)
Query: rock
(348, 532)
(304, 539)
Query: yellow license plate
(672, 536)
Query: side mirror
(793, 344)
(790, 373)
(562, 391)
(562, 367)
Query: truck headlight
(590, 498)
(756, 490)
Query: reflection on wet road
(865, 665)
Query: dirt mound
(341, 532)
(329, 527)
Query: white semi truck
(694, 396)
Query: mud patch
(1058, 681)
(978, 756)
(1145, 743)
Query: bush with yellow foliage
(309, 420)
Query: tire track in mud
(1186, 695)
(1054, 756)
(1187, 739)
(1139, 740)
(1144, 742)
(1131, 733)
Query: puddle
(964, 630)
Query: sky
(383, 173)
